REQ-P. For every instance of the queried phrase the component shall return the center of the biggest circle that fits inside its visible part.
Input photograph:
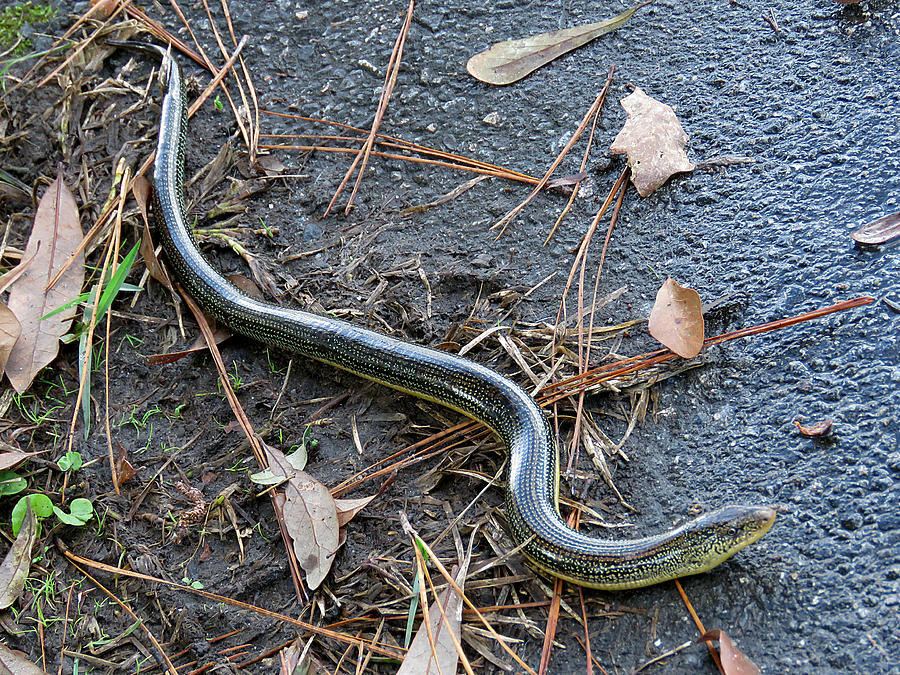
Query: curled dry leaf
(348, 508)
(220, 334)
(822, 428)
(9, 333)
(15, 663)
(510, 61)
(676, 319)
(310, 516)
(653, 140)
(142, 191)
(734, 661)
(15, 566)
(879, 231)
(54, 238)
(124, 470)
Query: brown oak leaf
(653, 140)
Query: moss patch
(13, 18)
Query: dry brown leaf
(818, 429)
(879, 231)
(734, 661)
(10, 458)
(14, 663)
(246, 285)
(348, 508)
(15, 566)
(220, 334)
(420, 659)
(124, 470)
(54, 238)
(9, 333)
(297, 660)
(510, 61)
(142, 191)
(676, 319)
(310, 516)
(653, 140)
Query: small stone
(312, 231)
(852, 522)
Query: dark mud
(814, 104)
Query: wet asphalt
(816, 105)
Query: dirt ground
(809, 91)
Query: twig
(390, 80)
(699, 624)
(584, 158)
(160, 655)
(507, 219)
(78, 560)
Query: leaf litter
(310, 516)
(507, 62)
(55, 236)
(17, 563)
(676, 319)
(653, 140)
(879, 231)
(14, 663)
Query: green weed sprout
(81, 510)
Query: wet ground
(814, 103)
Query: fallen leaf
(822, 428)
(124, 470)
(9, 458)
(676, 319)
(15, 566)
(15, 663)
(348, 508)
(310, 517)
(297, 660)
(142, 190)
(879, 231)
(734, 661)
(510, 61)
(246, 286)
(54, 238)
(9, 333)
(420, 659)
(653, 140)
(270, 165)
(220, 334)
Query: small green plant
(81, 510)
(71, 461)
(266, 229)
(217, 101)
(236, 381)
(193, 584)
(11, 483)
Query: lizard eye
(731, 531)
